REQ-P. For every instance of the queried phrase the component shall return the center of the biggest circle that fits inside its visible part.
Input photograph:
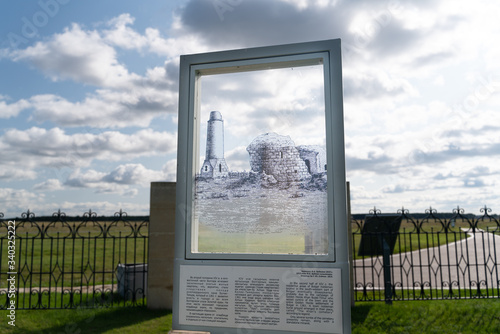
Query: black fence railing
(68, 262)
(90, 261)
(426, 256)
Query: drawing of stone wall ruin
(277, 156)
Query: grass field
(57, 300)
(215, 241)
(81, 256)
(451, 316)
(74, 256)
(430, 233)
(475, 316)
(121, 320)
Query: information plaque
(288, 299)
(261, 232)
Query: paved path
(466, 263)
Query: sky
(89, 94)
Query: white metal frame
(192, 67)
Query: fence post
(161, 245)
(386, 260)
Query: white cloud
(49, 185)
(87, 56)
(170, 170)
(10, 172)
(261, 23)
(106, 108)
(122, 35)
(78, 55)
(17, 201)
(439, 80)
(94, 180)
(37, 147)
(119, 181)
(133, 174)
(373, 84)
(12, 109)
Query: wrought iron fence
(426, 256)
(91, 261)
(69, 262)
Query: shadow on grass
(359, 313)
(98, 320)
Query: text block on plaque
(279, 298)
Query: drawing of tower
(215, 165)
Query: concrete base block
(161, 245)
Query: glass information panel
(260, 222)
(261, 168)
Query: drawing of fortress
(278, 156)
(270, 154)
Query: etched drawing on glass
(261, 174)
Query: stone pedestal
(161, 245)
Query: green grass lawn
(120, 320)
(452, 316)
(58, 300)
(430, 234)
(85, 258)
(211, 240)
(74, 256)
(449, 316)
